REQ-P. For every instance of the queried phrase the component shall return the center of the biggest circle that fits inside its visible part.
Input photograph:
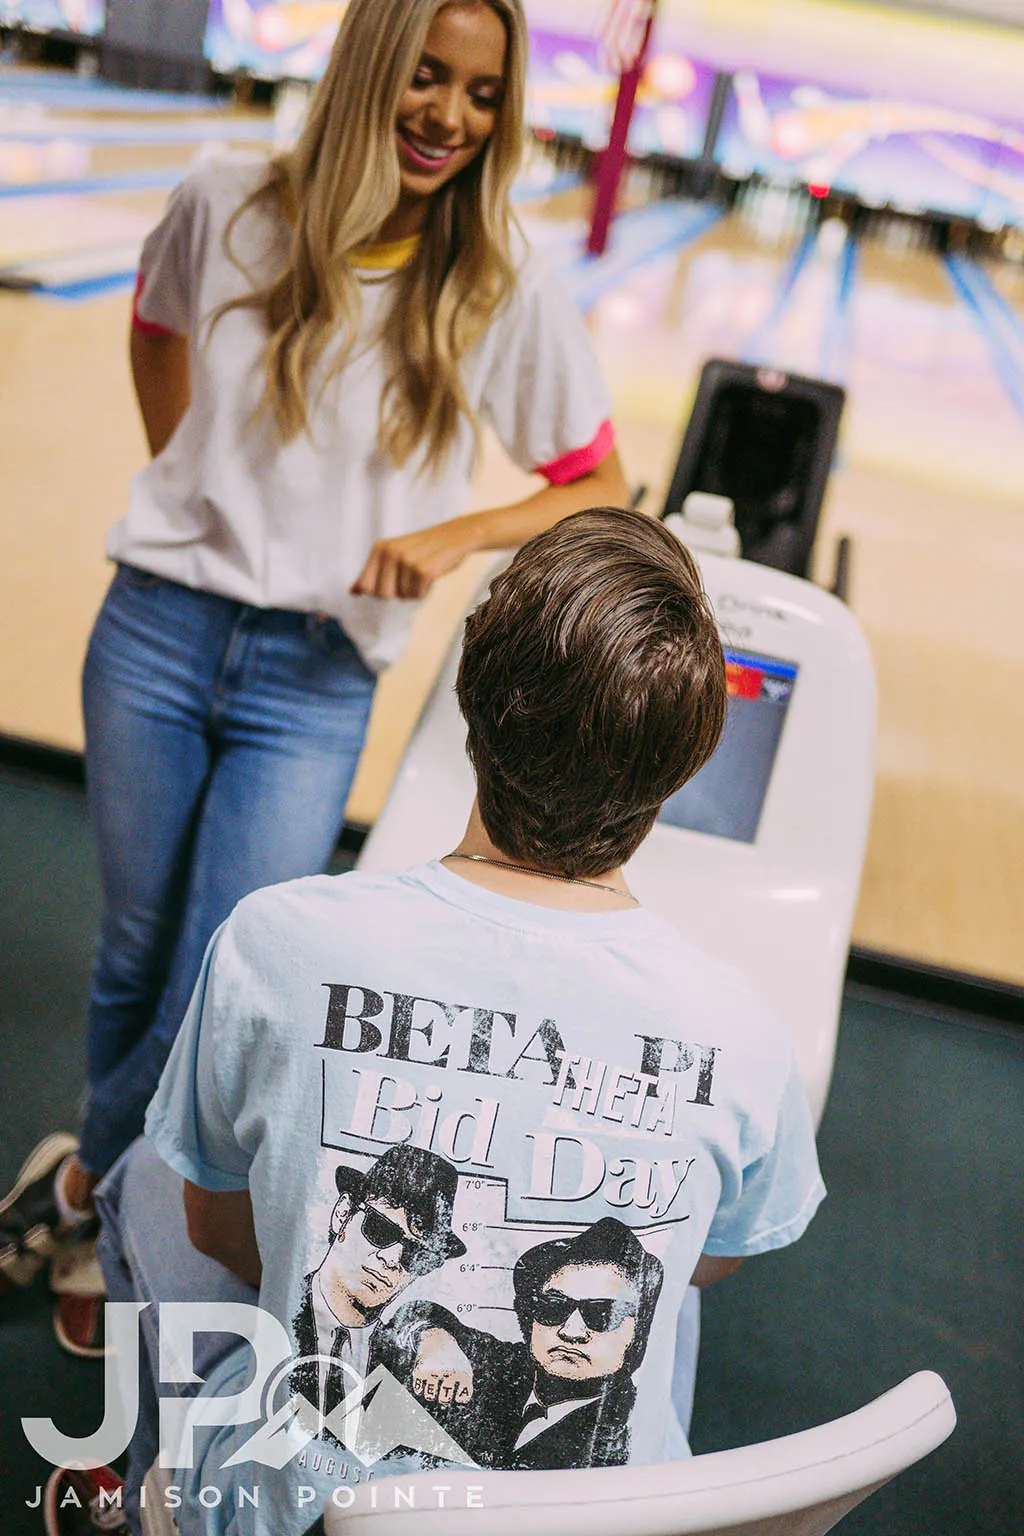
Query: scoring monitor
(725, 798)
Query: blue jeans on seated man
(146, 1255)
(221, 743)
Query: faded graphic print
(562, 1396)
(389, 1226)
(465, 1281)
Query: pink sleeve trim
(581, 460)
(147, 327)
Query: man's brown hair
(592, 682)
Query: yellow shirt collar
(387, 257)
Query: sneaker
(31, 1230)
(84, 1503)
(76, 1280)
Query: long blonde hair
(337, 186)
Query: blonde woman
(316, 345)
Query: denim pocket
(327, 635)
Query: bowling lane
(927, 485)
(932, 462)
(755, 287)
(930, 450)
(36, 165)
(927, 398)
(86, 169)
(36, 228)
(656, 329)
(1008, 278)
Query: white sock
(70, 1215)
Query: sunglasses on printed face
(418, 1258)
(551, 1309)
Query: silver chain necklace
(524, 869)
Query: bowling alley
(511, 767)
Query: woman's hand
(408, 566)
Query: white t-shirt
(605, 1101)
(228, 509)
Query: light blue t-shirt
(486, 1143)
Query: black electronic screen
(757, 451)
(726, 797)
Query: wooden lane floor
(930, 466)
(930, 489)
(927, 485)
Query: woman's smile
(423, 153)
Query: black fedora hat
(413, 1180)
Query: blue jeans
(221, 743)
(146, 1255)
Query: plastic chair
(799, 1485)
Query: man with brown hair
(592, 682)
(512, 1010)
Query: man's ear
(343, 1208)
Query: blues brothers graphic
(495, 1198)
